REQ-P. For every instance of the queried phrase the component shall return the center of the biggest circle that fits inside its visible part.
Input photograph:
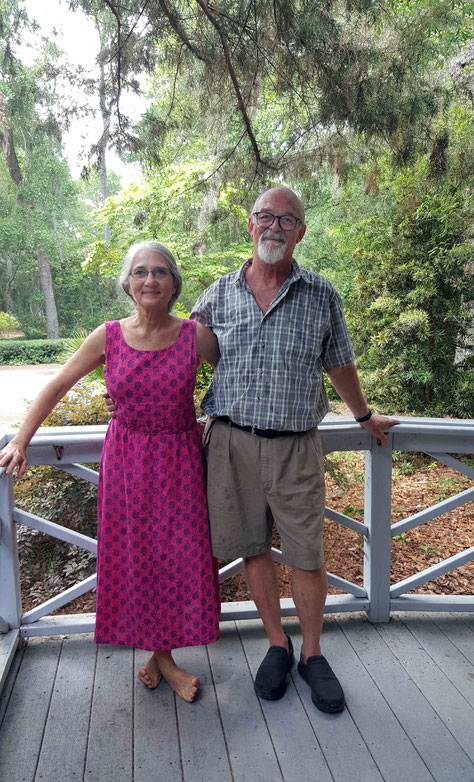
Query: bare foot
(150, 675)
(183, 684)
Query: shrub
(35, 351)
(83, 405)
(7, 323)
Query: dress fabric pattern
(157, 584)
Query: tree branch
(174, 22)
(119, 59)
(233, 76)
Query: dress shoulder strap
(188, 334)
(113, 334)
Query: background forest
(364, 107)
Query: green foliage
(170, 209)
(37, 351)
(71, 346)
(7, 323)
(408, 310)
(82, 405)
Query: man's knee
(316, 574)
(258, 559)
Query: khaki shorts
(255, 481)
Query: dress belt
(253, 429)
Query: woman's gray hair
(155, 247)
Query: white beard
(272, 255)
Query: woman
(157, 585)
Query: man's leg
(309, 593)
(261, 577)
(309, 589)
(270, 681)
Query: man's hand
(110, 405)
(377, 425)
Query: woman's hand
(14, 455)
(110, 405)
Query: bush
(7, 323)
(83, 405)
(35, 351)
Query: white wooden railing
(69, 448)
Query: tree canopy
(364, 108)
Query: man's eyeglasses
(158, 274)
(266, 220)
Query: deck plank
(340, 738)
(296, 745)
(468, 619)
(155, 730)
(63, 751)
(7, 689)
(440, 751)
(109, 754)
(459, 633)
(27, 710)
(404, 716)
(250, 748)
(456, 666)
(426, 655)
(389, 744)
(203, 749)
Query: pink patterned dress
(157, 584)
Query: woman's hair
(156, 248)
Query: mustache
(278, 235)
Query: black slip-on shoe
(270, 681)
(326, 692)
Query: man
(278, 326)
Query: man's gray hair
(155, 247)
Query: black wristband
(364, 417)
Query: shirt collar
(295, 273)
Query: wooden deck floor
(71, 711)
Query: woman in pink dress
(157, 584)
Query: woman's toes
(150, 678)
(144, 678)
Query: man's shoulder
(316, 281)
(226, 279)
(218, 286)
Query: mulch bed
(442, 538)
(418, 483)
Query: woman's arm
(207, 347)
(90, 355)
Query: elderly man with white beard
(277, 326)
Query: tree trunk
(11, 159)
(58, 240)
(52, 328)
(105, 110)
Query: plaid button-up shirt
(269, 374)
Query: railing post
(10, 593)
(377, 513)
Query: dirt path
(19, 386)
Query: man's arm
(347, 384)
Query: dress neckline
(157, 350)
